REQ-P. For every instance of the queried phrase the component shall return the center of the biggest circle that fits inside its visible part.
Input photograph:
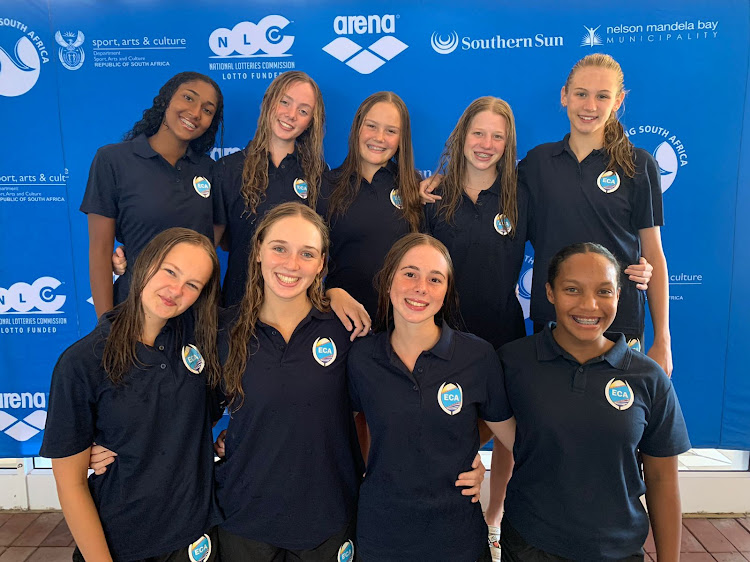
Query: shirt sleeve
(647, 207)
(101, 196)
(71, 418)
(496, 407)
(666, 434)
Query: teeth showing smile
(483, 155)
(285, 126)
(287, 279)
(376, 148)
(586, 321)
(587, 118)
(415, 303)
(188, 124)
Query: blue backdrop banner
(76, 76)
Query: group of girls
(288, 487)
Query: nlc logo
(365, 60)
(27, 427)
(40, 297)
(247, 39)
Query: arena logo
(248, 39)
(626, 33)
(71, 53)
(365, 60)
(665, 147)
(38, 298)
(22, 429)
(22, 54)
(445, 46)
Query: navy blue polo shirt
(576, 483)
(133, 184)
(363, 235)
(241, 223)
(293, 466)
(487, 261)
(424, 434)
(567, 205)
(158, 494)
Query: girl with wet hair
(284, 162)
(139, 384)
(159, 177)
(423, 386)
(587, 406)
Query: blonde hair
(453, 161)
(616, 143)
(309, 143)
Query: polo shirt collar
(547, 349)
(562, 146)
(142, 148)
(443, 349)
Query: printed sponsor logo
(259, 42)
(668, 150)
(654, 32)
(365, 60)
(40, 297)
(26, 427)
(71, 52)
(22, 54)
(445, 45)
(524, 285)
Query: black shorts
(203, 549)
(338, 548)
(515, 549)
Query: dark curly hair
(154, 115)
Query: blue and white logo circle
(502, 224)
(396, 199)
(608, 181)
(202, 186)
(19, 66)
(666, 157)
(444, 46)
(619, 394)
(300, 188)
(346, 552)
(200, 550)
(524, 291)
(324, 351)
(193, 359)
(450, 398)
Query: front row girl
(139, 385)
(586, 405)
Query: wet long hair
(309, 144)
(407, 179)
(553, 269)
(453, 161)
(449, 312)
(153, 117)
(128, 317)
(616, 143)
(243, 333)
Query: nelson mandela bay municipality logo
(365, 60)
(665, 146)
(22, 54)
(591, 38)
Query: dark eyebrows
(415, 268)
(197, 95)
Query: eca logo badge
(193, 359)
(619, 394)
(502, 224)
(200, 550)
(450, 398)
(346, 552)
(396, 199)
(608, 182)
(300, 188)
(202, 186)
(324, 351)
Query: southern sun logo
(27, 427)
(444, 46)
(365, 60)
